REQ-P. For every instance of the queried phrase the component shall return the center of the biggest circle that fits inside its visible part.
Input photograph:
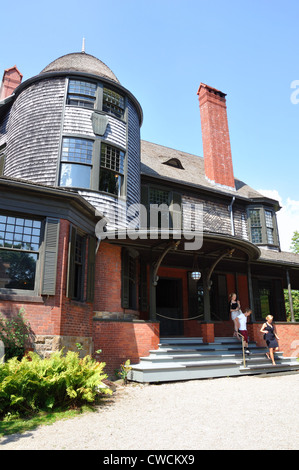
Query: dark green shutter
(176, 214)
(70, 286)
(91, 268)
(50, 257)
(125, 280)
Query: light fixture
(196, 274)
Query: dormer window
(81, 94)
(174, 162)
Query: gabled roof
(154, 157)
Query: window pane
(270, 236)
(17, 270)
(112, 158)
(158, 196)
(255, 219)
(269, 219)
(77, 150)
(21, 235)
(113, 103)
(81, 94)
(110, 182)
(256, 235)
(75, 176)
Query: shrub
(15, 333)
(35, 384)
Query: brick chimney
(11, 80)
(215, 136)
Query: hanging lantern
(196, 274)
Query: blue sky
(162, 49)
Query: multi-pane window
(79, 267)
(269, 227)
(81, 93)
(158, 196)
(256, 226)
(76, 162)
(113, 103)
(19, 249)
(112, 169)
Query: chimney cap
(211, 89)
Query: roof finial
(83, 45)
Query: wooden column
(290, 296)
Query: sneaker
(247, 351)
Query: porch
(192, 358)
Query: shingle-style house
(72, 167)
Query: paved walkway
(257, 412)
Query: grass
(13, 424)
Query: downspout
(230, 208)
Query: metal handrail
(243, 351)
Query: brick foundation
(120, 341)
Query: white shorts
(235, 314)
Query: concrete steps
(191, 358)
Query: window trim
(99, 97)
(265, 241)
(40, 257)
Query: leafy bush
(15, 334)
(35, 384)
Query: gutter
(230, 208)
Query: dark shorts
(245, 334)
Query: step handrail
(243, 352)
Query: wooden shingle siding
(116, 132)
(133, 182)
(34, 132)
(109, 206)
(216, 217)
(78, 121)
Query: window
(269, 227)
(256, 226)
(81, 268)
(262, 226)
(81, 94)
(19, 252)
(76, 162)
(112, 169)
(128, 276)
(113, 103)
(171, 217)
(174, 162)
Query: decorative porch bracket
(157, 264)
(207, 283)
(154, 278)
(229, 252)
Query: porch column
(206, 295)
(152, 294)
(290, 296)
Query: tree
(295, 242)
(295, 293)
